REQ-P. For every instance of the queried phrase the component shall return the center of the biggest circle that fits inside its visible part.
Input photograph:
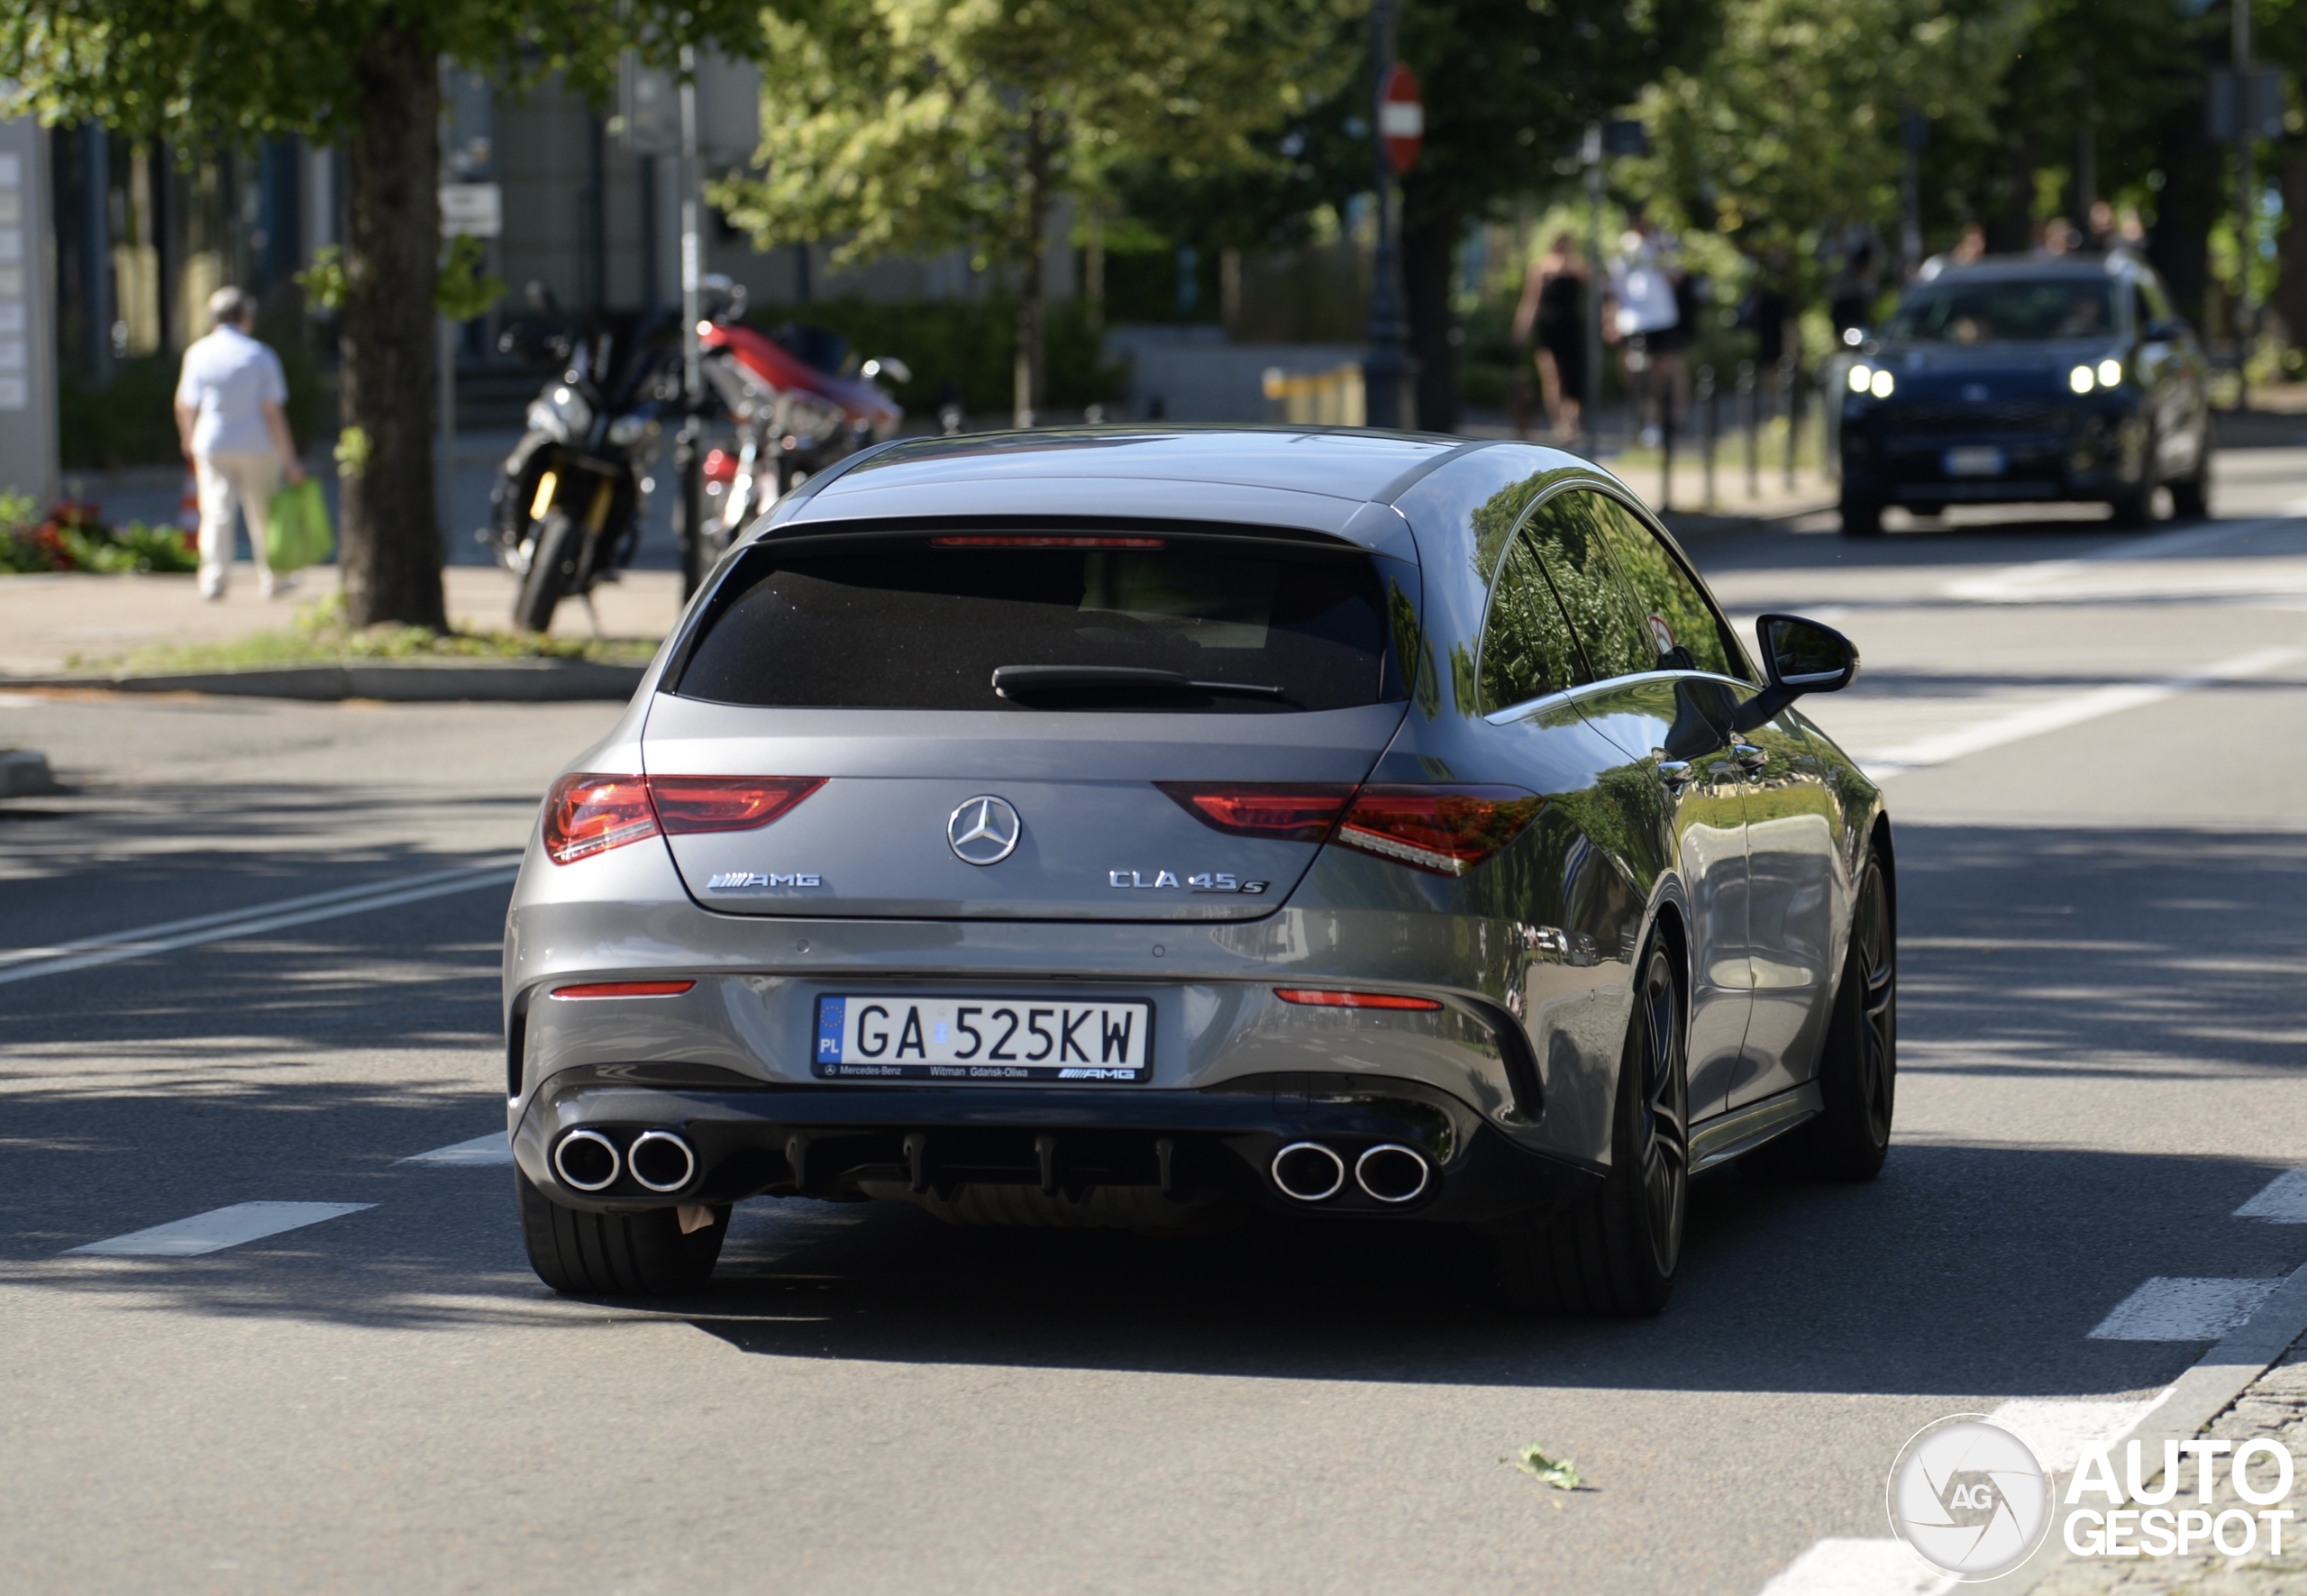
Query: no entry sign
(1402, 118)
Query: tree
(364, 74)
(1509, 85)
(917, 126)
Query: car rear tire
(2134, 507)
(1861, 517)
(552, 569)
(1614, 1254)
(2191, 495)
(588, 1254)
(1858, 1069)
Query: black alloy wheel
(1615, 1253)
(1861, 517)
(2191, 495)
(1858, 1069)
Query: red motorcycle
(796, 412)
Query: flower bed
(74, 537)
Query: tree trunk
(2290, 300)
(2193, 196)
(391, 552)
(1027, 366)
(1429, 243)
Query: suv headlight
(1873, 379)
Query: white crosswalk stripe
(216, 1229)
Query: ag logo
(1969, 1496)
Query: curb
(512, 681)
(2207, 1389)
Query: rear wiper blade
(1013, 681)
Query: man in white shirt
(230, 425)
(1648, 322)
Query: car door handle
(1750, 758)
(1676, 773)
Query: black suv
(2018, 380)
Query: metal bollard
(1750, 410)
(1709, 408)
(1789, 399)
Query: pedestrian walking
(235, 435)
(1648, 319)
(1553, 311)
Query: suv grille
(1933, 417)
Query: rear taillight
(587, 814)
(1448, 830)
(688, 804)
(1317, 998)
(625, 989)
(1277, 814)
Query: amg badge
(728, 879)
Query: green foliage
(319, 633)
(466, 287)
(230, 74)
(917, 126)
(967, 343)
(324, 280)
(1792, 123)
(1557, 1472)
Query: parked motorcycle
(568, 507)
(797, 410)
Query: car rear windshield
(1142, 623)
(2012, 310)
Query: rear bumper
(1192, 1145)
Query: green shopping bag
(297, 532)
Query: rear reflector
(585, 814)
(1278, 813)
(1007, 542)
(627, 989)
(1448, 830)
(1320, 999)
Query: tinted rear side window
(924, 627)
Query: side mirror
(1800, 657)
(888, 366)
(1804, 657)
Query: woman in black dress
(1553, 309)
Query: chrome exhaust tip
(1308, 1172)
(585, 1160)
(661, 1161)
(1392, 1172)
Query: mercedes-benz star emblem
(984, 831)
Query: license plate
(1985, 462)
(878, 1038)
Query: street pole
(1590, 409)
(1913, 133)
(688, 451)
(2246, 214)
(1383, 374)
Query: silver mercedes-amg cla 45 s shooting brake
(1132, 826)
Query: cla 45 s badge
(1130, 880)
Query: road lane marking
(1852, 1566)
(2282, 1201)
(26, 963)
(2033, 720)
(492, 1148)
(2028, 583)
(2183, 1308)
(216, 1229)
(2060, 1429)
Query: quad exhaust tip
(1308, 1172)
(586, 1160)
(1392, 1172)
(661, 1161)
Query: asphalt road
(2099, 741)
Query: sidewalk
(50, 624)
